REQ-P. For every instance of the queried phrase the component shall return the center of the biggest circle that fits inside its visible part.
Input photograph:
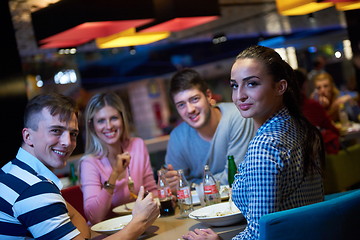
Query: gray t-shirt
(188, 151)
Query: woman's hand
(201, 234)
(118, 172)
(122, 162)
(324, 101)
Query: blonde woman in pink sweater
(110, 156)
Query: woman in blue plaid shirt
(282, 167)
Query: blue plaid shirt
(271, 177)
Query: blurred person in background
(317, 115)
(111, 156)
(329, 96)
(208, 134)
(318, 67)
(282, 167)
(32, 206)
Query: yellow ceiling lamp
(130, 38)
(346, 6)
(300, 7)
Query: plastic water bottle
(211, 192)
(164, 193)
(184, 195)
(231, 170)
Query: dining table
(173, 227)
(350, 133)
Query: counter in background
(157, 144)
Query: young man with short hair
(208, 133)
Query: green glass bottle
(73, 177)
(231, 169)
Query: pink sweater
(98, 203)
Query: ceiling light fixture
(300, 7)
(86, 32)
(347, 6)
(344, 5)
(170, 16)
(130, 38)
(74, 22)
(219, 38)
(178, 15)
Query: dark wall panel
(353, 23)
(12, 102)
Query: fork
(230, 200)
(131, 185)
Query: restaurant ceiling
(239, 18)
(242, 22)
(70, 23)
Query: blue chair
(334, 219)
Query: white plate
(112, 225)
(209, 214)
(224, 193)
(122, 209)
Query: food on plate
(226, 212)
(224, 190)
(223, 212)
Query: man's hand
(172, 178)
(145, 212)
(146, 209)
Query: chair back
(74, 196)
(334, 219)
(342, 170)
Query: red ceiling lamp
(170, 16)
(86, 32)
(178, 15)
(70, 23)
(301, 7)
(345, 5)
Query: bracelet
(108, 185)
